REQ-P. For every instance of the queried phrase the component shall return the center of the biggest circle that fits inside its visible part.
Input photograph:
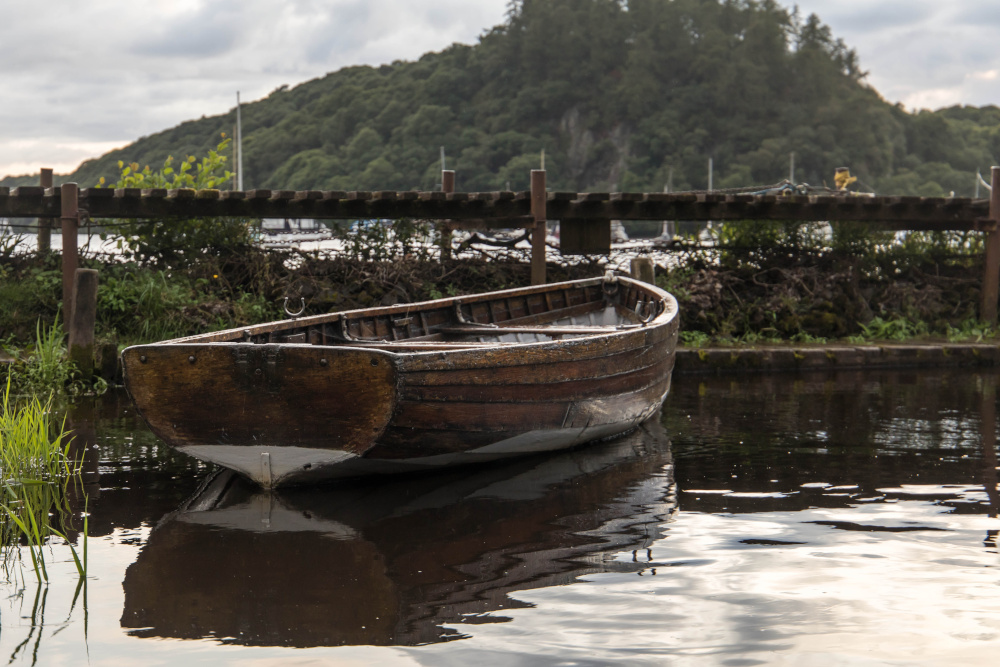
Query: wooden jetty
(503, 209)
(585, 217)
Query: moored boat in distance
(413, 386)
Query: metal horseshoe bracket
(647, 311)
(300, 311)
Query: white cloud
(988, 75)
(919, 52)
(59, 154)
(105, 72)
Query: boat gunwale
(237, 335)
(471, 347)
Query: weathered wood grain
(500, 209)
(267, 395)
(536, 392)
(411, 387)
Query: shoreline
(724, 360)
(784, 359)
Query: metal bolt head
(323, 362)
(142, 358)
(191, 359)
(374, 362)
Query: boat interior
(513, 317)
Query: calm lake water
(799, 520)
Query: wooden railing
(584, 216)
(502, 209)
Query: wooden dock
(585, 218)
(484, 210)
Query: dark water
(802, 520)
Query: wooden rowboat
(413, 386)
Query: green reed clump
(36, 468)
(44, 368)
(28, 450)
(47, 367)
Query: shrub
(179, 242)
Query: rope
(784, 187)
(749, 189)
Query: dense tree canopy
(630, 96)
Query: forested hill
(621, 97)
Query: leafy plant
(695, 338)
(144, 304)
(971, 329)
(10, 243)
(763, 336)
(898, 328)
(805, 337)
(179, 241)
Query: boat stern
(275, 413)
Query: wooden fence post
(44, 225)
(643, 269)
(988, 437)
(81, 328)
(539, 198)
(443, 228)
(70, 220)
(991, 277)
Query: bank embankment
(773, 359)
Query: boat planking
(413, 386)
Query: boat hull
(285, 414)
(265, 411)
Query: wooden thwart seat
(500, 330)
(422, 346)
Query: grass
(695, 338)
(898, 329)
(971, 330)
(36, 468)
(44, 368)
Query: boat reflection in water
(393, 563)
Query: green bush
(183, 241)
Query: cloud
(105, 72)
(919, 52)
(57, 153)
(203, 33)
(988, 75)
(860, 17)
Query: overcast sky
(82, 77)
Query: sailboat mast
(239, 145)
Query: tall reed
(35, 470)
